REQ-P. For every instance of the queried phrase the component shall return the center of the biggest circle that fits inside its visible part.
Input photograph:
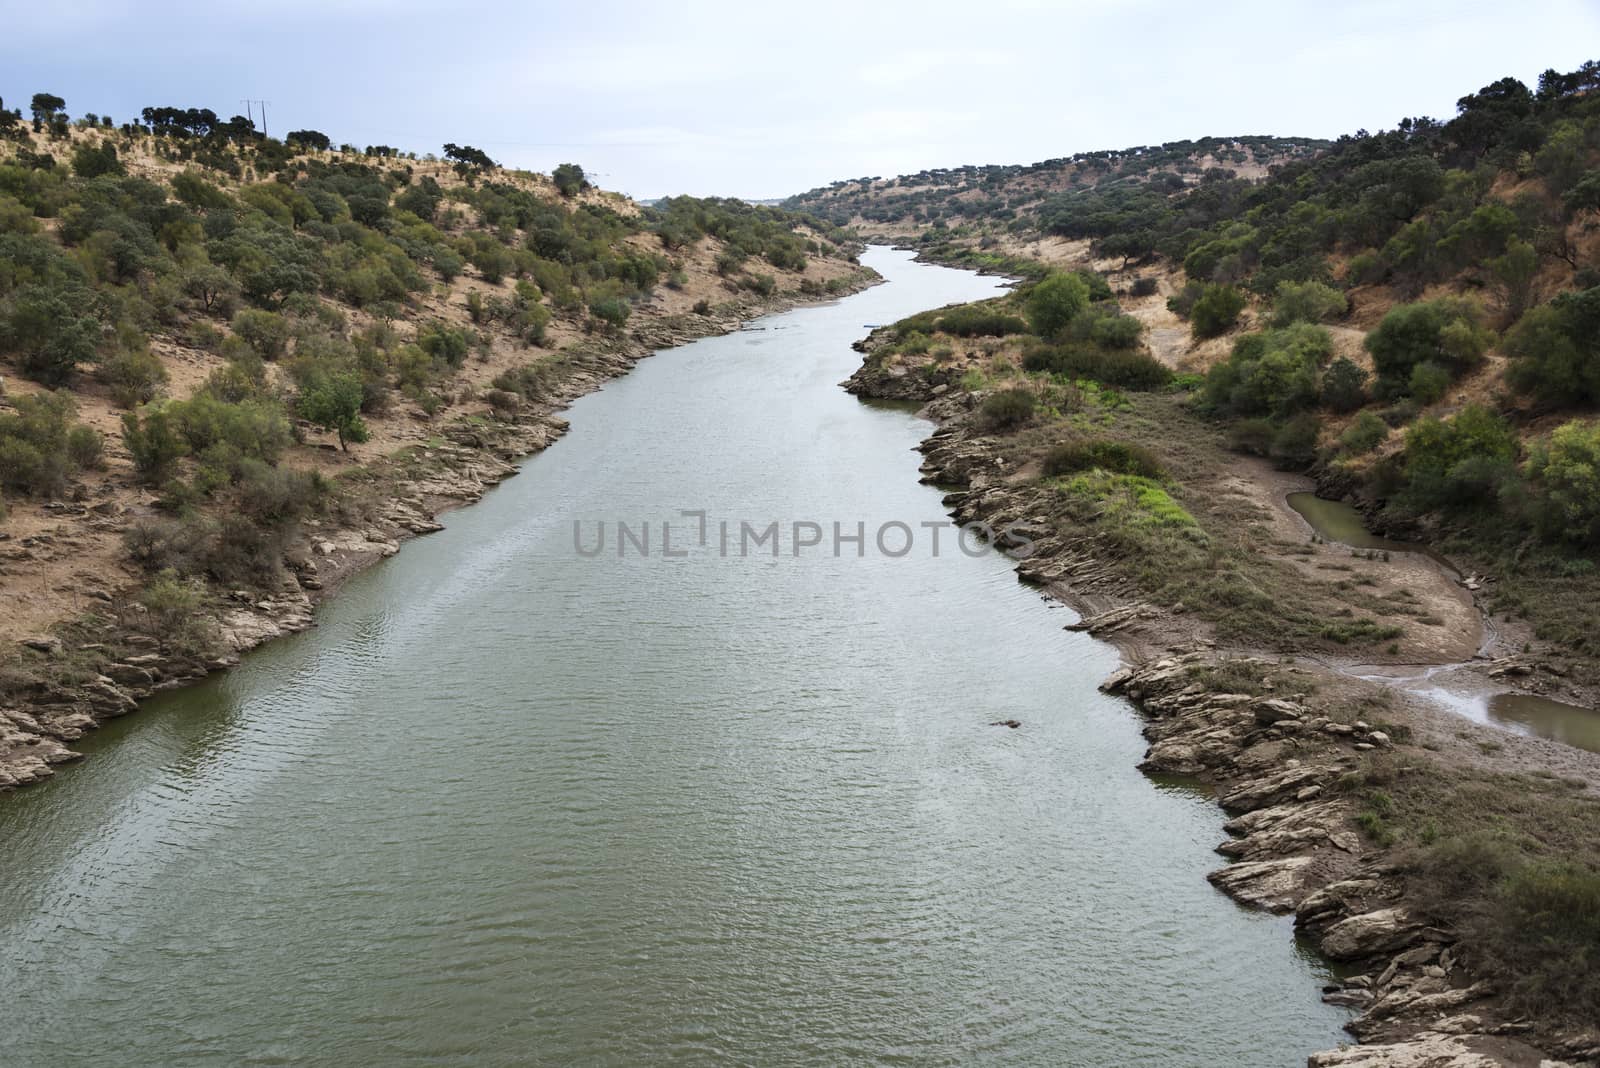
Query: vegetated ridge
(234, 368)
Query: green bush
(1007, 409)
(1365, 433)
(1306, 302)
(1115, 331)
(154, 445)
(446, 343)
(1344, 386)
(1126, 368)
(980, 320)
(267, 333)
(1428, 383)
(1274, 372)
(1216, 310)
(1566, 470)
(40, 447)
(85, 447)
(1294, 444)
(1555, 351)
(1461, 462)
(1055, 302)
(1448, 332)
(1115, 456)
(613, 311)
(46, 327)
(133, 377)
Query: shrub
(1448, 331)
(1116, 331)
(1270, 373)
(134, 377)
(981, 320)
(1555, 350)
(94, 160)
(569, 179)
(1567, 471)
(1344, 386)
(1306, 302)
(37, 453)
(1216, 311)
(613, 311)
(1365, 433)
(84, 447)
(1253, 436)
(48, 330)
(1428, 383)
(172, 609)
(1127, 368)
(1055, 302)
(445, 343)
(1144, 287)
(267, 333)
(1295, 443)
(154, 445)
(1459, 462)
(1007, 409)
(1114, 456)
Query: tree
(333, 402)
(46, 106)
(1053, 303)
(1514, 272)
(1567, 469)
(1448, 331)
(1459, 461)
(50, 333)
(1555, 350)
(91, 161)
(569, 179)
(312, 139)
(465, 156)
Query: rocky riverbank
(1286, 745)
(88, 670)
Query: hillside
(1408, 315)
(232, 368)
(1020, 200)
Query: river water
(509, 804)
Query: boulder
(1371, 933)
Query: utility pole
(251, 115)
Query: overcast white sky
(764, 99)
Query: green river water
(510, 805)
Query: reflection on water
(1540, 716)
(1340, 522)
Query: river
(510, 804)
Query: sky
(763, 100)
